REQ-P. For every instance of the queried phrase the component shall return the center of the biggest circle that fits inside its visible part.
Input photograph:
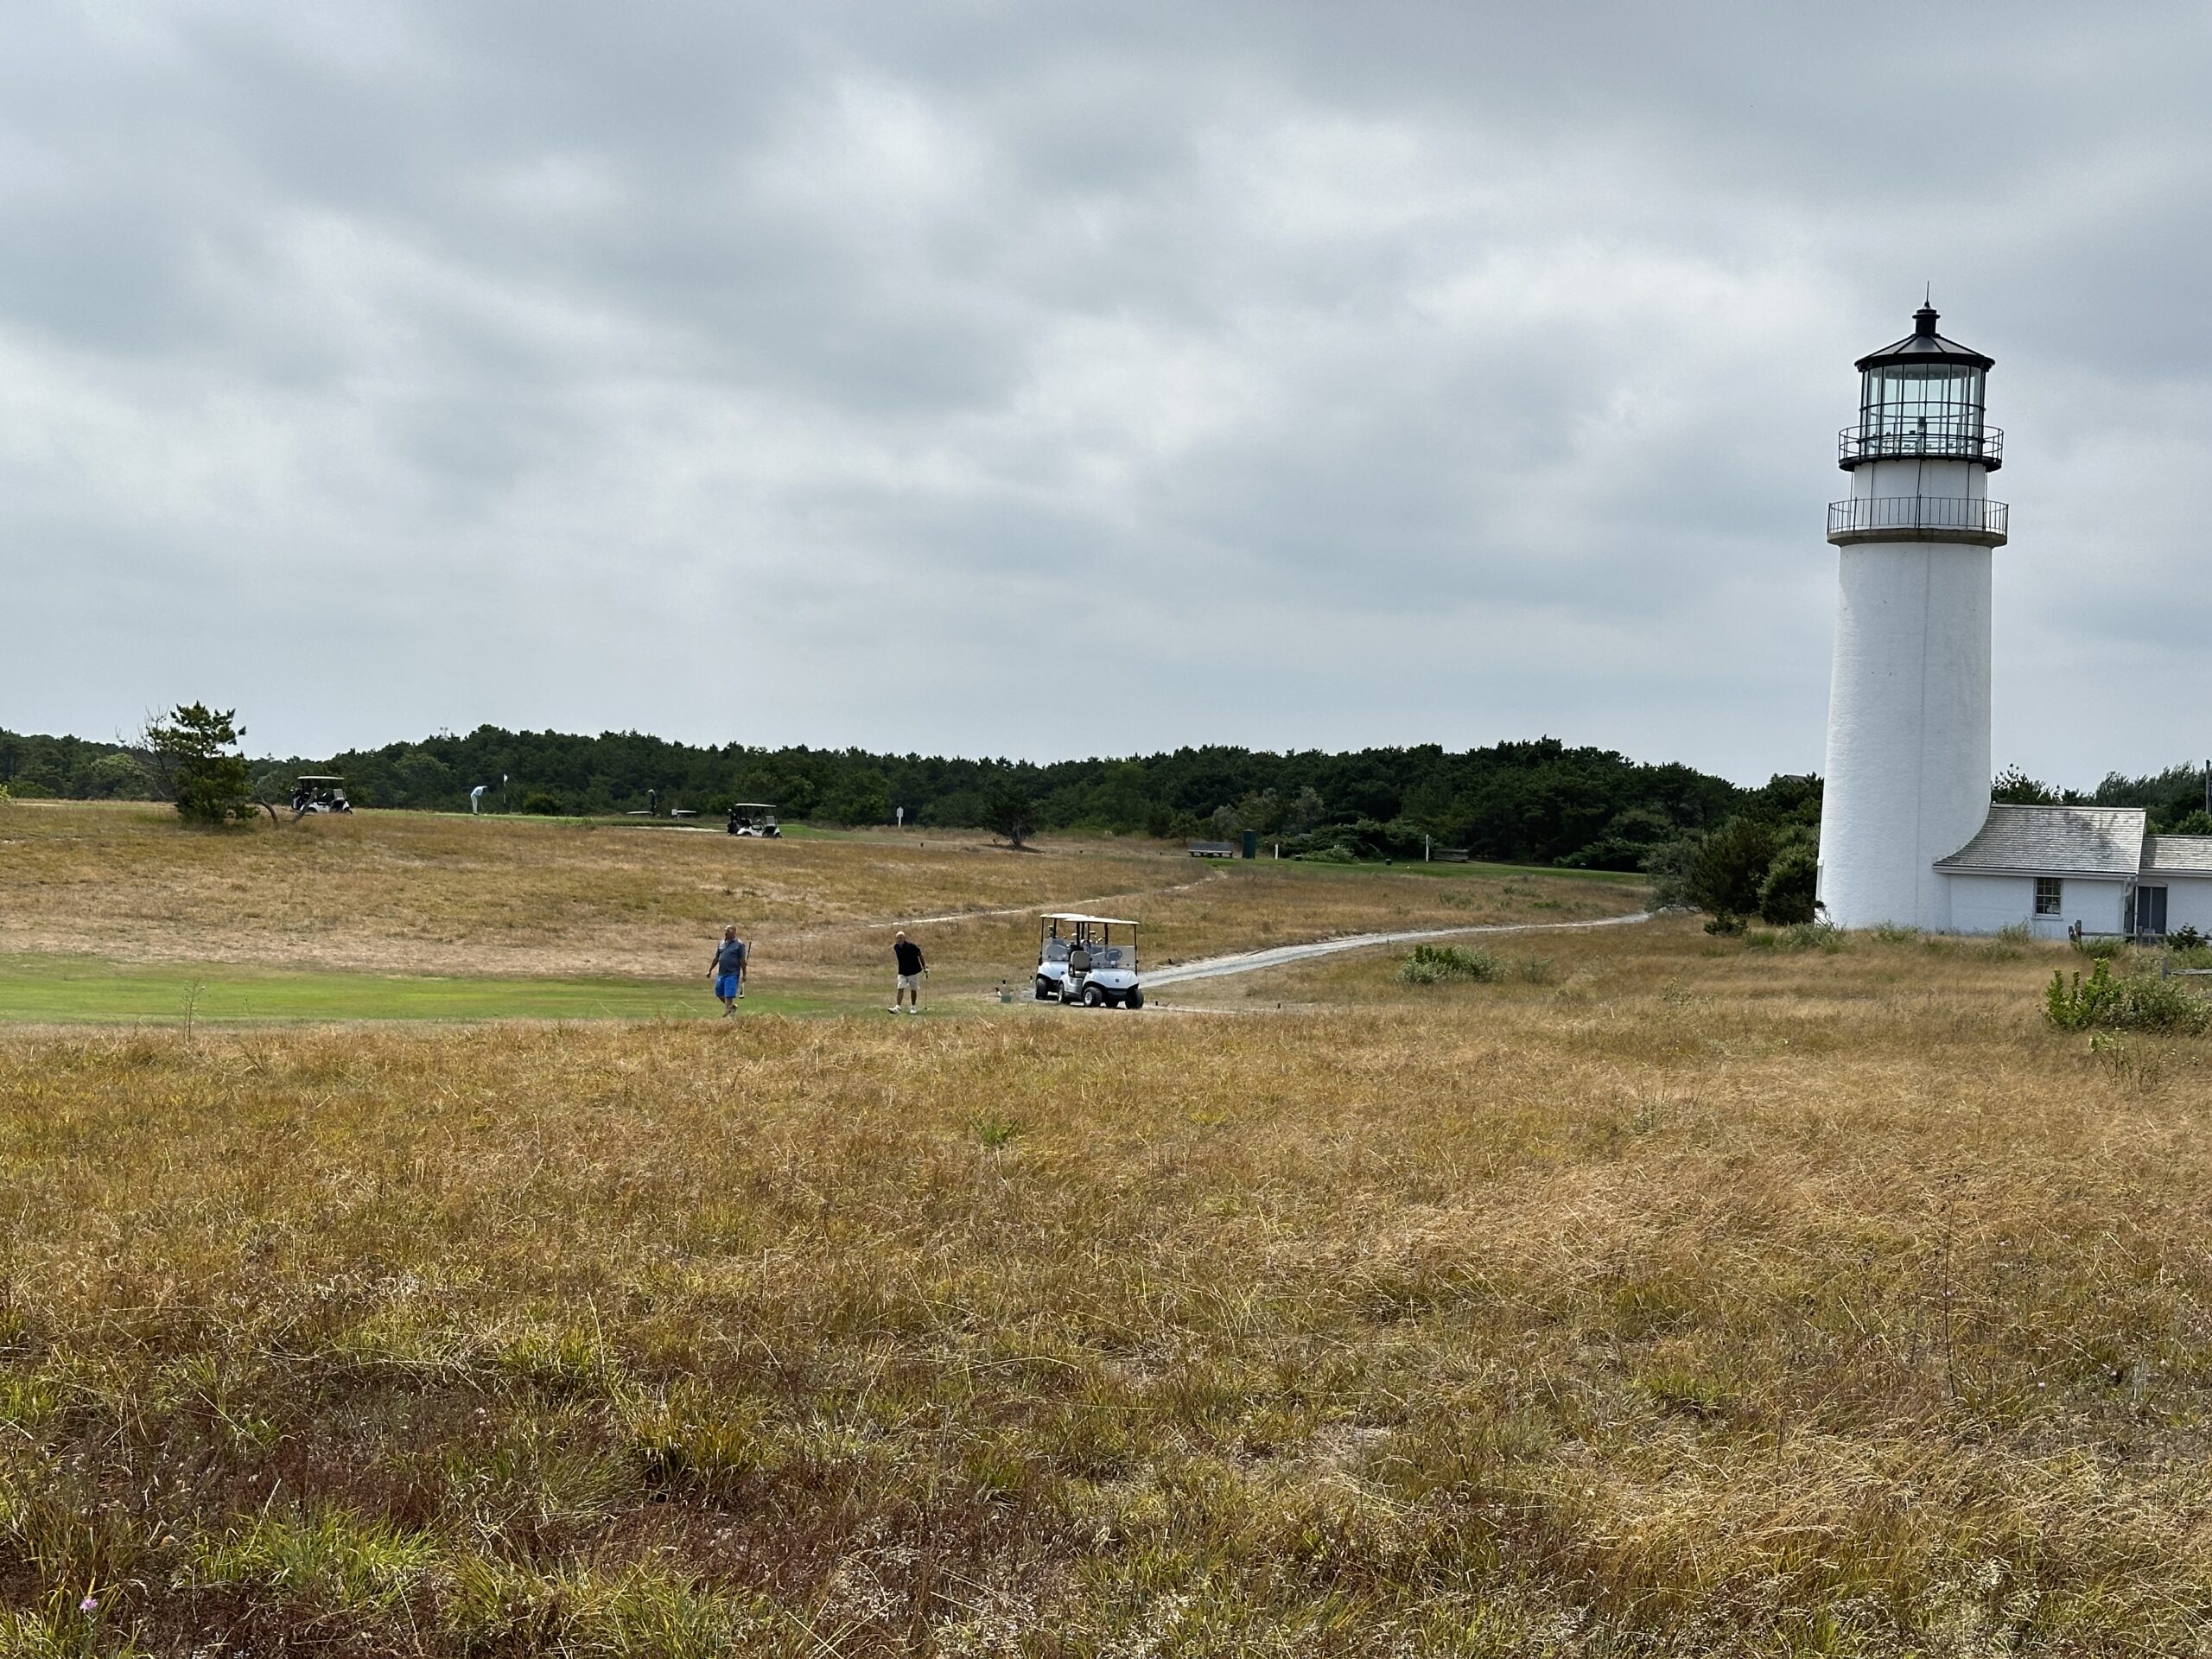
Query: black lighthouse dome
(1922, 397)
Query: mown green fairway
(90, 990)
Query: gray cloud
(1330, 375)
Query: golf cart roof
(766, 806)
(1072, 916)
(318, 778)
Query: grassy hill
(405, 894)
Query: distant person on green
(912, 967)
(727, 970)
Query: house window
(2047, 896)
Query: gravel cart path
(1248, 962)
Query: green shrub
(1729, 867)
(2193, 955)
(2015, 933)
(1436, 964)
(2102, 950)
(1786, 895)
(2185, 939)
(1668, 866)
(542, 805)
(1725, 924)
(2137, 1002)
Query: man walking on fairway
(912, 967)
(727, 970)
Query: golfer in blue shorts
(728, 970)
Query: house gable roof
(2056, 841)
(2178, 854)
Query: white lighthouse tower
(1907, 754)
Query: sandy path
(1248, 962)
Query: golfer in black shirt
(912, 967)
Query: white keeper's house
(1908, 835)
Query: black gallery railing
(1867, 515)
(1941, 439)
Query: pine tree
(194, 763)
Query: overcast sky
(1052, 380)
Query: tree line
(1539, 802)
(1536, 802)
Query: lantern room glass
(1921, 408)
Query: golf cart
(1080, 960)
(316, 792)
(754, 818)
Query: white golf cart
(754, 818)
(318, 792)
(1079, 959)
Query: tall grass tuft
(1799, 936)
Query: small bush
(1726, 924)
(542, 805)
(2185, 939)
(1437, 965)
(2135, 1003)
(1786, 895)
(2015, 933)
(2193, 955)
(2102, 950)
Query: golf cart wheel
(1093, 997)
(1133, 1000)
(1044, 989)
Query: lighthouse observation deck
(1974, 520)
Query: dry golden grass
(1702, 1301)
(418, 893)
